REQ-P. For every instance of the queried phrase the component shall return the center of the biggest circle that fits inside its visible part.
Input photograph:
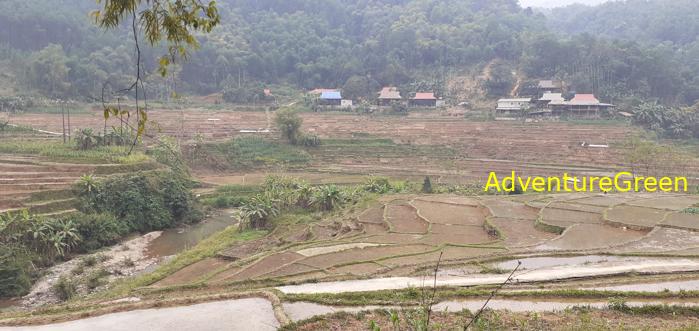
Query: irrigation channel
(147, 254)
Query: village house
(330, 98)
(512, 106)
(423, 99)
(549, 98)
(549, 86)
(582, 105)
(389, 96)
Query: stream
(176, 240)
(146, 252)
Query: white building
(513, 105)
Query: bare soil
(672, 203)
(510, 209)
(476, 235)
(662, 240)
(441, 213)
(683, 220)
(520, 233)
(592, 236)
(364, 254)
(372, 215)
(361, 269)
(193, 272)
(404, 219)
(636, 216)
(550, 215)
(266, 265)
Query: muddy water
(176, 240)
(553, 261)
(686, 285)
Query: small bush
(79, 270)
(427, 186)
(64, 289)
(96, 279)
(89, 261)
(310, 141)
(99, 230)
(128, 263)
(15, 269)
(377, 185)
(618, 304)
(223, 201)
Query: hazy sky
(557, 3)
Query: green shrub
(289, 124)
(89, 261)
(310, 140)
(223, 201)
(145, 201)
(96, 279)
(79, 270)
(99, 230)
(377, 185)
(15, 271)
(64, 289)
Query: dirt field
(451, 150)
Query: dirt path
(231, 315)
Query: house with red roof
(388, 96)
(582, 105)
(423, 99)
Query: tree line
(54, 49)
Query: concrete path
(525, 276)
(232, 315)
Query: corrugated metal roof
(331, 95)
(552, 97)
(544, 84)
(424, 96)
(584, 99)
(515, 100)
(390, 93)
(321, 90)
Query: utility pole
(63, 118)
(68, 110)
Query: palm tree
(259, 210)
(87, 184)
(327, 197)
(303, 195)
(86, 139)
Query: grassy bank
(412, 296)
(56, 150)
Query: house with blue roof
(330, 98)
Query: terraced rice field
(43, 186)
(450, 150)
(23, 176)
(403, 235)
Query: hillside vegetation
(56, 51)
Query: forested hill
(675, 21)
(50, 47)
